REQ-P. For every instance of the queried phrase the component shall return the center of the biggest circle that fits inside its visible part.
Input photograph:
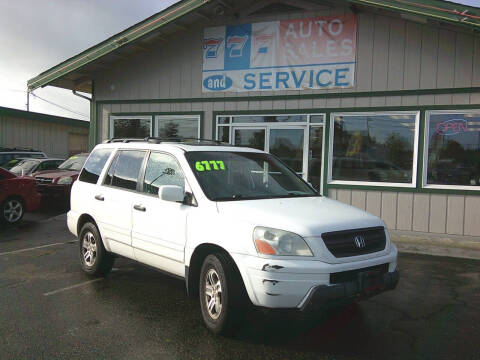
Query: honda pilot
(237, 224)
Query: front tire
(12, 210)
(94, 259)
(221, 294)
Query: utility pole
(28, 100)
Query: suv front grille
(43, 181)
(355, 242)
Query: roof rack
(124, 140)
(160, 140)
(18, 149)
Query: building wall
(50, 137)
(408, 211)
(392, 54)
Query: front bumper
(363, 287)
(53, 190)
(283, 283)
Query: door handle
(99, 197)
(139, 207)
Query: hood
(305, 216)
(53, 174)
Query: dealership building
(376, 103)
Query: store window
(374, 148)
(453, 143)
(179, 126)
(130, 126)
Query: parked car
(29, 167)
(236, 223)
(9, 154)
(17, 196)
(58, 182)
(358, 169)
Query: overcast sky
(38, 34)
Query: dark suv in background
(9, 156)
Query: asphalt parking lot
(50, 309)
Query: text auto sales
(310, 54)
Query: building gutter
(439, 10)
(128, 36)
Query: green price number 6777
(209, 165)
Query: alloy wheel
(89, 248)
(213, 294)
(13, 211)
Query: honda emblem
(359, 241)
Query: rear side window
(127, 169)
(94, 165)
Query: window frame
(426, 146)
(271, 125)
(143, 172)
(113, 161)
(412, 184)
(111, 127)
(158, 117)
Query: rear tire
(94, 259)
(222, 295)
(12, 210)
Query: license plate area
(371, 281)
(355, 275)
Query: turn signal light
(264, 248)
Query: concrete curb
(441, 245)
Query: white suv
(236, 223)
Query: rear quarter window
(94, 165)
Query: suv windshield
(26, 166)
(226, 176)
(73, 163)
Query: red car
(18, 195)
(58, 182)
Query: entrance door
(250, 137)
(286, 142)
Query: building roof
(4, 111)
(77, 72)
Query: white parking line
(71, 287)
(36, 247)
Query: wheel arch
(192, 272)
(83, 219)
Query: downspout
(92, 133)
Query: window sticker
(209, 165)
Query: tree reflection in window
(374, 147)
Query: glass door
(288, 143)
(250, 137)
(299, 144)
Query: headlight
(65, 180)
(279, 242)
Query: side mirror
(171, 193)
